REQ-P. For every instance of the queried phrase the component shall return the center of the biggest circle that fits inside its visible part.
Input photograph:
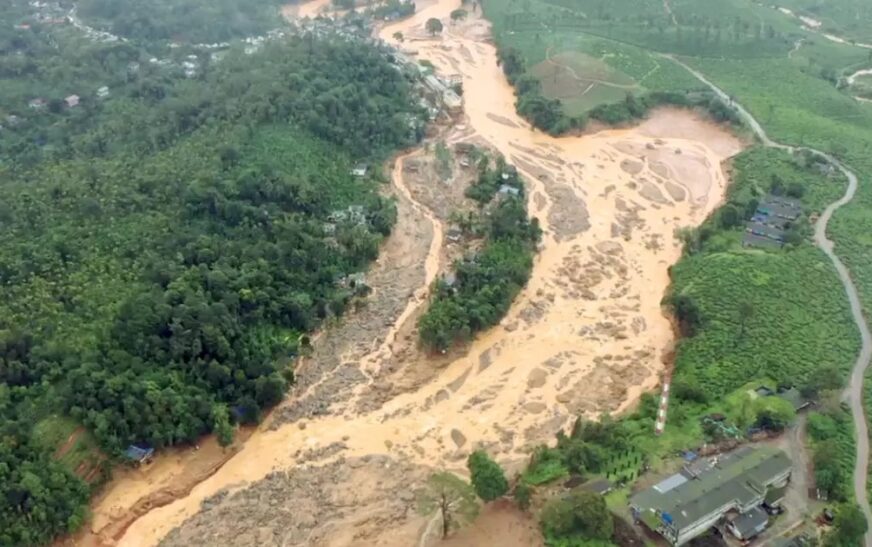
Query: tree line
(549, 115)
(486, 282)
(198, 21)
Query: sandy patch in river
(587, 334)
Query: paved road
(854, 392)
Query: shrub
(487, 476)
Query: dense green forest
(485, 282)
(198, 21)
(165, 246)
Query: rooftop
(780, 206)
(600, 486)
(795, 398)
(749, 524)
(751, 240)
(764, 230)
(740, 476)
(138, 453)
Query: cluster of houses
(771, 221)
(71, 101)
(47, 13)
(53, 13)
(438, 94)
(735, 493)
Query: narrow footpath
(854, 391)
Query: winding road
(854, 392)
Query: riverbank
(587, 334)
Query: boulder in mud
(458, 438)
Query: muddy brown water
(587, 335)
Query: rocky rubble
(365, 497)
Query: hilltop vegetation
(749, 298)
(573, 60)
(849, 18)
(194, 21)
(165, 247)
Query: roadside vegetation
(484, 282)
(167, 246)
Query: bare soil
(586, 336)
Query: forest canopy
(165, 246)
(198, 21)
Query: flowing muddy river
(587, 335)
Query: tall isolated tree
(582, 513)
(221, 424)
(487, 476)
(433, 26)
(849, 527)
(452, 497)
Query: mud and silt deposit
(372, 415)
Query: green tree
(795, 190)
(398, 36)
(820, 379)
(730, 216)
(458, 15)
(557, 518)
(849, 527)
(773, 413)
(592, 515)
(221, 424)
(452, 497)
(433, 26)
(828, 474)
(687, 312)
(581, 513)
(487, 477)
(523, 494)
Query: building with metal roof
(749, 525)
(139, 454)
(687, 504)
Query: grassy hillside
(849, 18)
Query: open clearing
(582, 82)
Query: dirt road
(586, 336)
(854, 391)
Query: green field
(849, 18)
(582, 82)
